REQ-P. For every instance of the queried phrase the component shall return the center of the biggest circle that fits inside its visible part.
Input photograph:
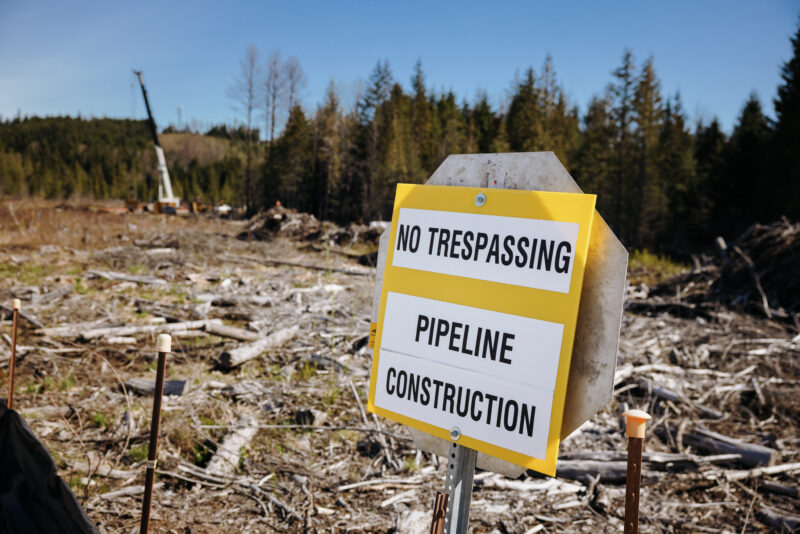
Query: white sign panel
(511, 347)
(525, 252)
(512, 416)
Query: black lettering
(389, 374)
(494, 249)
(432, 231)
(499, 411)
(465, 411)
(506, 347)
(490, 345)
(480, 243)
(546, 254)
(402, 237)
(449, 396)
(508, 252)
(425, 398)
(563, 266)
(413, 387)
(475, 416)
(511, 423)
(491, 399)
(402, 384)
(455, 244)
(438, 384)
(478, 341)
(442, 328)
(522, 257)
(454, 335)
(431, 330)
(444, 241)
(422, 324)
(526, 421)
(468, 238)
(534, 241)
(464, 348)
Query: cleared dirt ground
(317, 462)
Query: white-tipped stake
(17, 304)
(163, 346)
(164, 343)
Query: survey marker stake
(636, 420)
(460, 474)
(439, 510)
(13, 361)
(163, 346)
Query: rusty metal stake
(439, 510)
(163, 346)
(636, 420)
(13, 361)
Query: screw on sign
(478, 307)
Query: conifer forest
(664, 182)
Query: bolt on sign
(477, 316)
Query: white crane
(166, 199)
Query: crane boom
(165, 194)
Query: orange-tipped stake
(636, 421)
(13, 361)
(163, 346)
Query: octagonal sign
(591, 374)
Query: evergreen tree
(742, 199)
(785, 194)
(623, 91)
(646, 204)
(594, 168)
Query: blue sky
(76, 57)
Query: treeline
(65, 157)
(662, 183)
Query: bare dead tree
(274, 99)
(295, 80)
(245, 91)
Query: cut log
(226, 460)
(143, 386)
(24, 315)
(232, 332)
(779, 489)
(759, 471)
(243, 353)
(779, 521)
(128, 492)
(752, 455)
(582, 469)
(139, 279)
(122, 331)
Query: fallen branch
(122, 331)
(243, 353)
(226, 460)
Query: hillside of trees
(662, 183)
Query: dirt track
(733, 374)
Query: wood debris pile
(756, 274)
(264, 422)
(289, 223)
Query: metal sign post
(460, 474)
(12, 362)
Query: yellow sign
(477, 316)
